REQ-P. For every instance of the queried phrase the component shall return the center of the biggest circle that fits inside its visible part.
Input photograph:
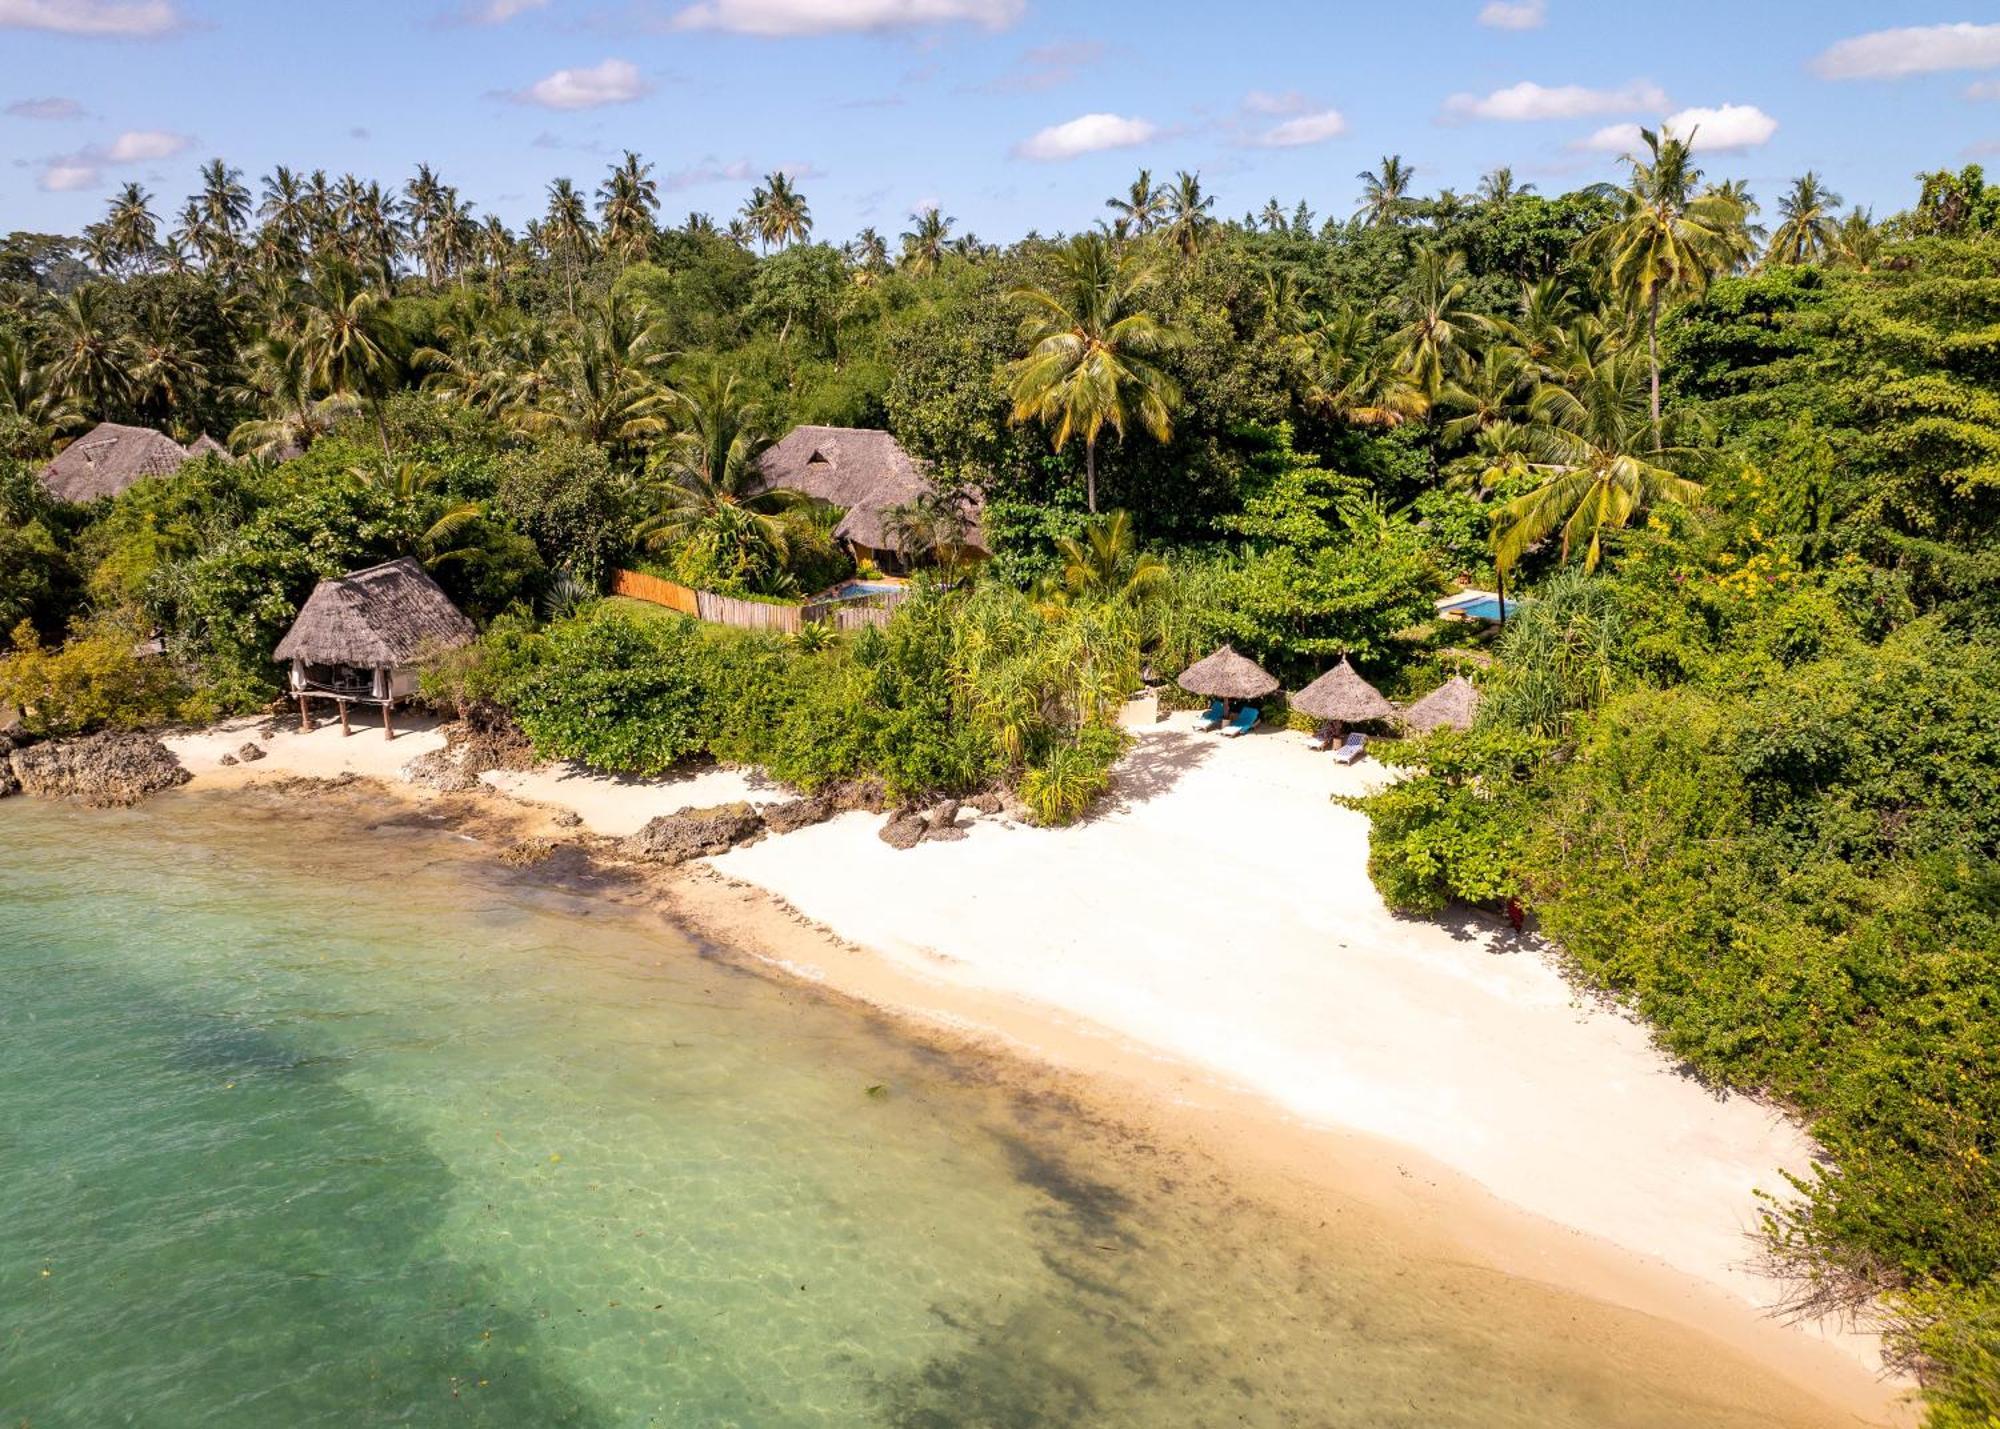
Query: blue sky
(1010, 114)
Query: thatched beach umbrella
(1452, 704)
(1229, 676)
(1343, 697)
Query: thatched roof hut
(374, 619)
(1454, 705)
(1344, 697)
(862, 470)
(205, 445)
(109, 458)
(1227, 675)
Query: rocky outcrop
(796, 814)
(694, 833)
(8, 783)
(904, 830)
(250, 753)
(442, 770)
(866, 795)
(103, 771)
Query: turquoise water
(307, 1122)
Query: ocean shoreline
(1311, 1169)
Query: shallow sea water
(305, 1121)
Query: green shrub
(95, 680)
(615, 694)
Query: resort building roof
(862, 470)
(1228, 675)
(112, 456)
(374, 619)
(1343, 696)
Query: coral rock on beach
(904, 830)
(796, 814)
(442, 770)
(694, 833)
(250, 753)
(103, 771)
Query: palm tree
(602, 385)
(1272, 218)
(1594, 451)
(1664, 242)
(1352, 378)
(1090, 349)
(1385, 192)
(347, 344)
(1859, 242)
(31, 395)
(777, 212)
(627, 201)
(130, 229)
(932, 525)
(167, 375)
(1143, 205)
(710, 498)
(93, 361)
(1190, 214)
(925, 245)
(278, 382)
(1499, 189)
(1433, 345)
(1809, 233)
(869, 253)
(225, 209)
(1107, 564)
(414, 486)
(569, 233)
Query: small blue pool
(853, 590)
(1481, 605)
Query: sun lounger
(1217, 713)
(1322, 740)
(1353, 749)
(1245, 721)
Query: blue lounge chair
(1245, 721)
(1217, 713)
(1355, 746)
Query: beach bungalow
(112, 456)
(358, 638)
(863, 471)
(1452, 705)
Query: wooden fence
(848, 614)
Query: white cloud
(1086, 134)
(1313, 128)
(139, 146)
(774, 18)
(499, 12)
(90, 17)
(1713, 130)
(45, 109)
(1514, 14)
(612, 82)
(1983, 89)
(1920, 49)
(1264, 101)
(63, 177)
(708, 171)
(1529, 101)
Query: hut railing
(842, 613)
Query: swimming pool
(1479, 605)
(855, 589)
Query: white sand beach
(1216, 917)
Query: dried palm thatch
(1453, 705)
(862, 470)
(1344, 697)
(109, 458)
(374, 619)
(1227, 675)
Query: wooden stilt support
(305, 720)
(387, 732)
(344, 730)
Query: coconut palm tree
(710, 498)
(603, 384)
(777, 212)
(225, 209)
(569, 233)
(93, 361)
(1106, 564)
(1499, 189)
(347, 343)
(1594, 452)
(1666, 243)
(1190, 214)
(1091, 345)
(1809, 232)
(1440, 330)
(932, 526)
(1143, 205)
(868, 253)
(130, 229)
(1352, 377)
(1859, 242)
(1385, 192)
(627, 200)
(415, 486)
(32, 396)
(277, 381)
(925, 245)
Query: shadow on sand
(1154, 766)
